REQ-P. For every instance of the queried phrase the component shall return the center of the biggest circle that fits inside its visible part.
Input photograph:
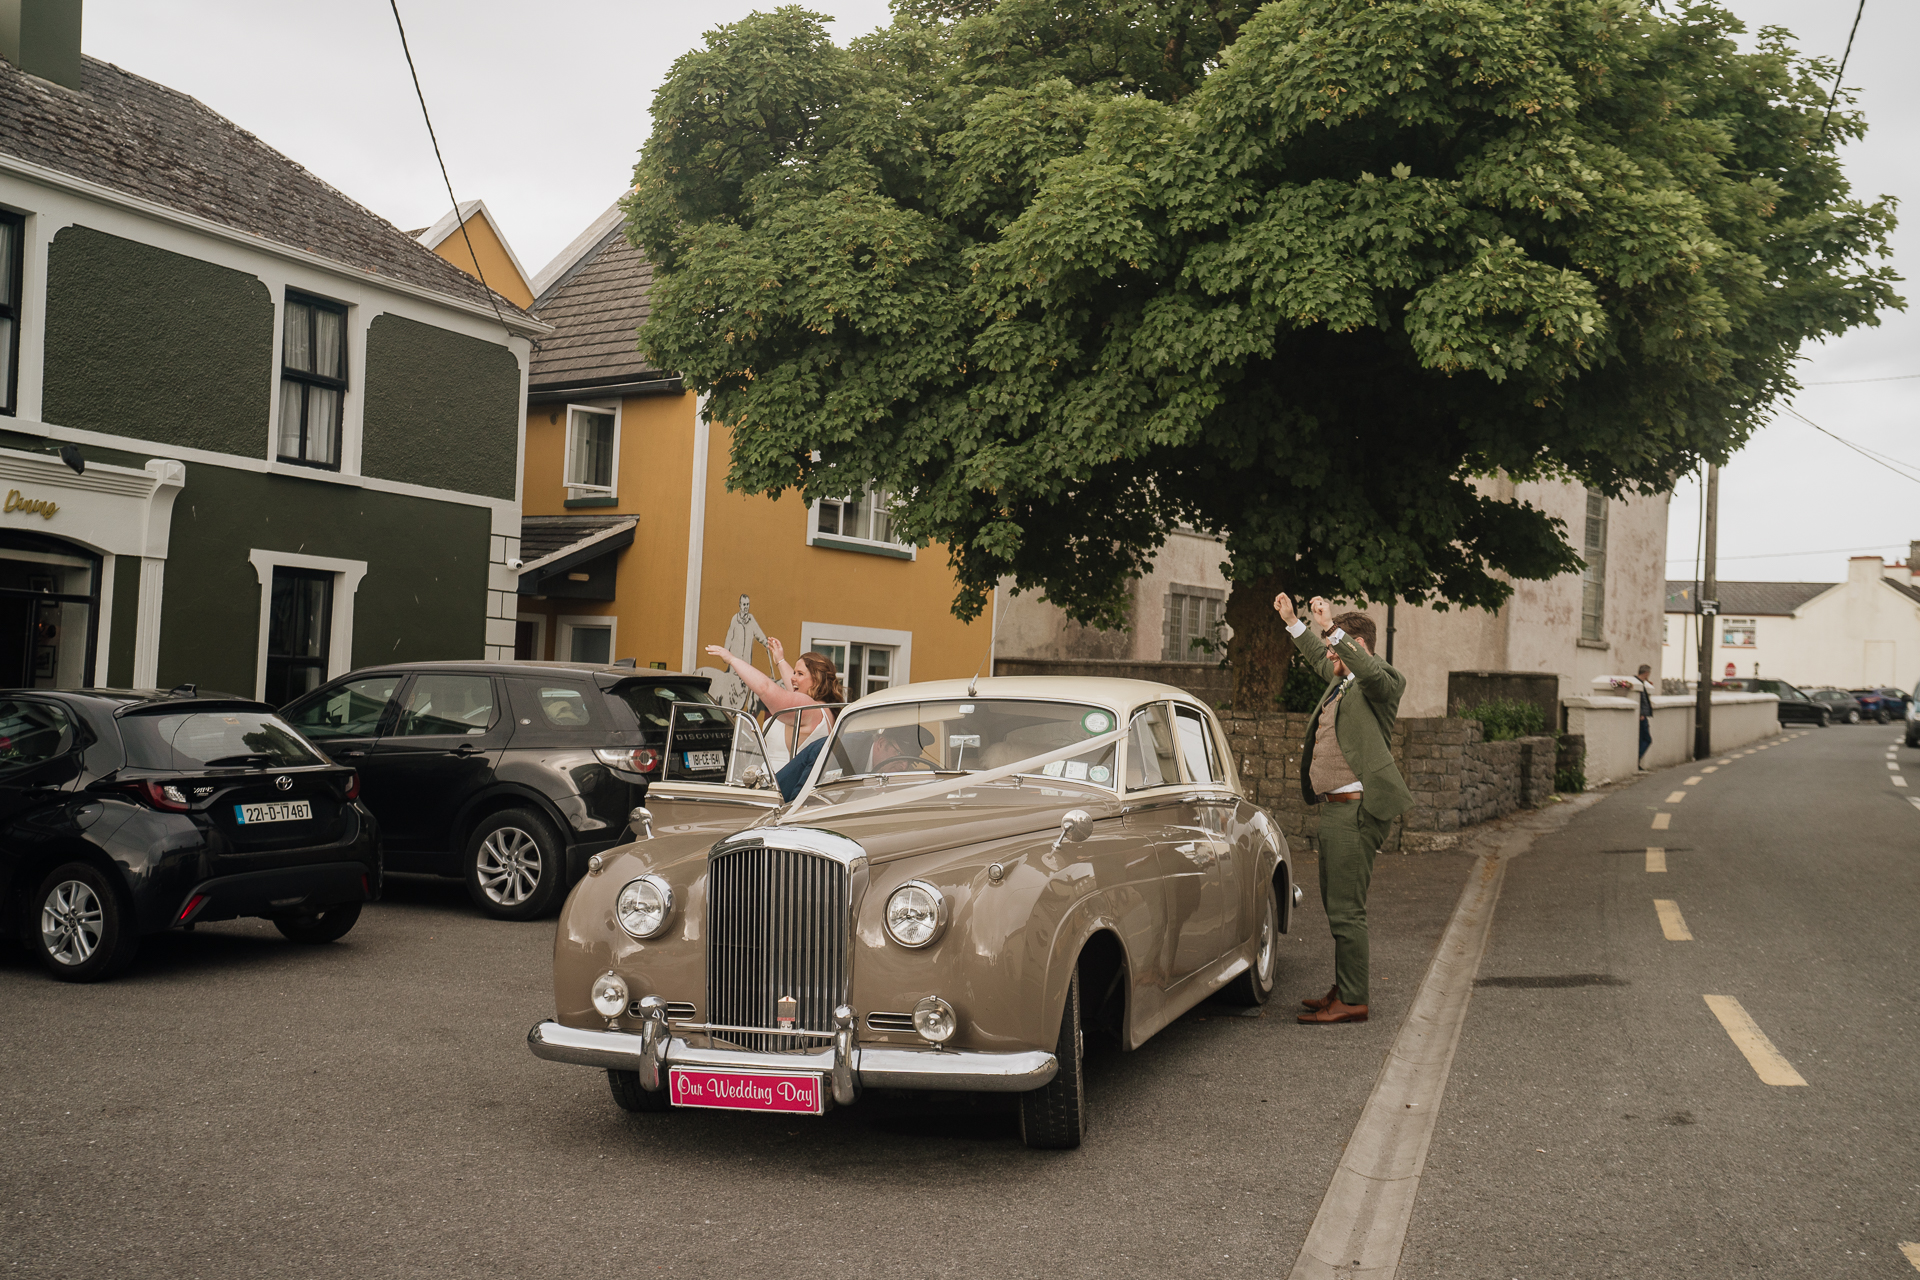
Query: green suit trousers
(1349, 839)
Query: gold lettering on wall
(42, 507)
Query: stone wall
(1456, 778)
(1208, 681)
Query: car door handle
(465, 749)
(349, 755)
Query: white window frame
(1750, 625)
(567, 622)
(346, 582)
(901, 642)
(815, 538)
(612, 490)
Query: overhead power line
(1901, 469)
(1844, 382)
(1787, 555)
(478, 270)
(1835, 95)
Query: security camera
(514, 563)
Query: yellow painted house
(473, 242)
(632, 548)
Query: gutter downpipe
(696, 535)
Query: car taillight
(353, 784)
(632, 759)
(164, 795)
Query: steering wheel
(905, 763)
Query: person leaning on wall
(1346, 768)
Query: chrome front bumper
(842, 1063)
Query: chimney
(42, 38)
(1913, 558)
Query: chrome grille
(776, 926)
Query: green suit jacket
(1363, 726)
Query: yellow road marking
(1695, 779)
(1670, 922)
(1751, 1041)
(1656, 859)
(1660, 821)
(1676, 797)
(1911, 1252)
(1712, 768)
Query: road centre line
(1671, 923)
(1766, 1061)
(1712, 768)
(1894, 765)
(1676, 797)
(1661, 820)
(1914, 801)
(1695, 780)
(1656, 859)
(1728, 760)
(1912, 1253)
(1361, 1227)
(1899, 781)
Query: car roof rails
(184, 691)
(626, 662)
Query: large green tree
(1065, 273)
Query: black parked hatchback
(125, 813)
(509, 775)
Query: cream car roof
(1116, 695)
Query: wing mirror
(640, 822)
(1075, 826)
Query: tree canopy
(1063, 274)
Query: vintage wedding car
(974, 876)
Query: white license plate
(706, 759)
(274, 811)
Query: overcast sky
(541, 109)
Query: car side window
(350, 710)
(32, 733)
(558, 706)
(1196, 745)
(1150, 749)
(447, 706)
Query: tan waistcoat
(1329, 771)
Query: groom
(1347, 767)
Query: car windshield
(651, 700)
(968, 735)
(214, 740)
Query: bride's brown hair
(826, 677)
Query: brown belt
(1338, 797)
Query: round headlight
(610, 994)
(916, 914)
(644, 906)
(934, 1019)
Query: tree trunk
(1260, 648)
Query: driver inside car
(898, 749)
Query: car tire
(1255, 986)
(1054, 1116)
(1853, 717)
(81, 927)
(329, 924)
(515, 865)
(1823, 720)
(1913, 739)
(631, 1097)
(1881, 716)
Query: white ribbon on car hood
(933, 790)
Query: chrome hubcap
(1263, 962)
(509, 866)
(71, 922)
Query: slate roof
(594, 303)
(542, 536)
(130, 134)
(1749, 599)
(1906, 589)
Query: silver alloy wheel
(509, 866)
(1263, 958)
(71, 922)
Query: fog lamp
(916, 914)
(644, 906)
(934, 1019)
(610, 994)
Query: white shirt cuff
(1351, 786)
(1296, 627)
(1336, 635)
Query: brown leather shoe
(1317, 1003)
(1336, 1012)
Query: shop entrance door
(49, 611)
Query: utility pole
(1709, 607)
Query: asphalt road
(237, 1105)
(1601, 1121)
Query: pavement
(237, 1105)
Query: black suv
(127, 813)
(509, 775)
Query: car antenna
(184, 690)
(975, 682)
